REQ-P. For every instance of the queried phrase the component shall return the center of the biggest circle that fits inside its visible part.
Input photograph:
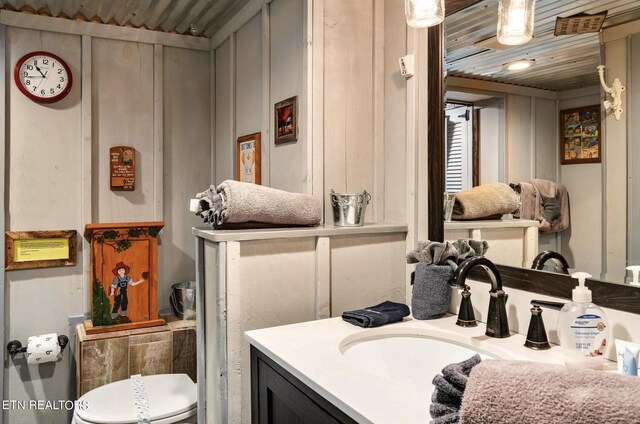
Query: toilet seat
(172, 398)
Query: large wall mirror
(505, 127)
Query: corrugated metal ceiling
(562, 63)
(190, 17)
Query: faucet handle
(556, 306)
(466, 316)
(537, 335)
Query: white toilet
(172, 399)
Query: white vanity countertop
(326, 230)
(311, 352)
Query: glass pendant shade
(423, 13)
(515, 21)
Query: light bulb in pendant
(424, 13)
(515, 21)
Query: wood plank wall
(257, 64)
(126, 92)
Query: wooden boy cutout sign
(124, 276)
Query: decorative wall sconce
(515, 21)
(423, 13)
(615, 91)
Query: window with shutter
(458, 153)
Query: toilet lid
(167, 394)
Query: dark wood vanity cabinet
(277, 397)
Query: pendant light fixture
(515, 21)
(423, 13)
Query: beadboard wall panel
(187, 153)
(248, 105)
(395, 116)
(122, 103)
(546, 127)
(349, 91)
(519, 141)
(224, 136)
(288, 163)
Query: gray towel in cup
(468, 248)
(431, 291)
(433, 252)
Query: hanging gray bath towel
(431, 291)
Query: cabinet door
(279, 398)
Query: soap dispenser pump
(582, 328)
(635, 269)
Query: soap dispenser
(582, 328)
(635, 269)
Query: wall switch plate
(407, 66)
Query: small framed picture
(286, 120)
(248, 168)
(580, 135)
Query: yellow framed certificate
(40, 249)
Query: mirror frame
(610, 295)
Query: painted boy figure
(121, 281)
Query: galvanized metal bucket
(183, 300)
(349, 208)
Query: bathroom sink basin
(410, 359)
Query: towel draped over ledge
(232, 203)
(544, 201)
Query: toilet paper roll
(193, 205)
(42, 349)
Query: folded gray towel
(528, 392)
(431, 290)
(468, 248)
(433, 252)
(450, 388)
(234, 202)
(375, 316)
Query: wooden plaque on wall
(123, 276)
(122, 168)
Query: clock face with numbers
(43, 77)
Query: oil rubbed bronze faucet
(560, 263)
(497, 324)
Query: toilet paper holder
(14, 346)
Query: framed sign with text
(122, 168)
(40, 249)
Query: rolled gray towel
(432, 252)
(234, 202)
(449, 391)
(431, 291)
(374, 316)
(529, 392)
